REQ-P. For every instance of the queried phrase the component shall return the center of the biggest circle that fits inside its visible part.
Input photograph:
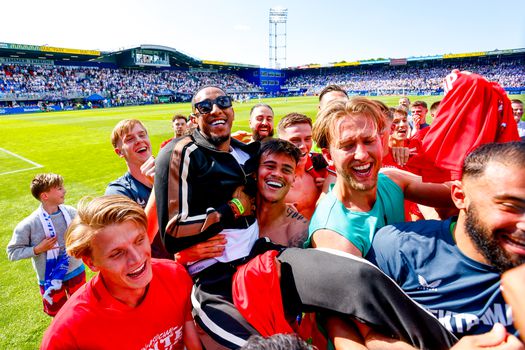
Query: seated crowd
(120, 86)
(393, 79)
(225, 240)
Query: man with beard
(179, 124)
(362, 200)
(200, 185)
(261, 124)
(453, 268)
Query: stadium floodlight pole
(278, 15)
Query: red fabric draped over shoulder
(257, 295)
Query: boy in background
(40, 236)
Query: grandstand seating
(408, 79)
(29, 84)
(120, 86)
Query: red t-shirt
(473, 112)
(93, 319)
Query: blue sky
(237, 31)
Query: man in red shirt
(134, 301)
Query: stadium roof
(402, 61)
(41, 54)
(20, 53)
(45, 52)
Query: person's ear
(327, 156)
(88, 261)
(119, 152)
(458, 194)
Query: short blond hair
(44, 182)
(324, 126)
(94, 214)
(122, 128)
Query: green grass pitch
(76, 145)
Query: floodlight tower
(278, 16)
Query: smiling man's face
(275, 176)
(135, 145)
(217, 124)
(121, 253)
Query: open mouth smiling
(274, 184)
(363, 170)
(138, 271)
(218, 122)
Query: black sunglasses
(206, 105)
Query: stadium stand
(407, 79)
(119, 86)
(40, 78)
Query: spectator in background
(399, 134)
(434, 108)
(192, 124)
(331, 93)
(40, 237)
(261, 124)
(297, 129)
(404, 102)
(133, 301)
(130, 141)
(328, 94)
(419, 112)
(517, 110)
(179, 124)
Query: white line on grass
(36, 165)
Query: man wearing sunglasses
(204, 185)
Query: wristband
(238, 204)
(235, 210)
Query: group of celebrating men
(236, 215)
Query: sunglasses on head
(206, 105)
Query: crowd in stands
(403, 79)
(125, 86)
(120, 86)
(130, 87)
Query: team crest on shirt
(428, 286)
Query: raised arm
(415, 190)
